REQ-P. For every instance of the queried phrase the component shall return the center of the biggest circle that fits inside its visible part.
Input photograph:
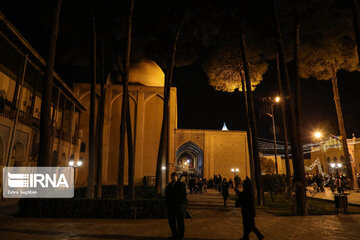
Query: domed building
(197, 151)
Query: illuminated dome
(147, 73)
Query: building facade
(21, 81)
(330, 152)
(202, 152)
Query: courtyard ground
(210, 220)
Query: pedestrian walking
(175, 197)
(225, 190)
(246, 201)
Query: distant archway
(189, 158)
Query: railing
(7, 109)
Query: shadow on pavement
(95, 236)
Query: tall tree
(355, 8)
(163, 157)
(296, 148)
(125, 124)
(332, 47)
(45, 115)
(249, 133)
(92, 145)
(299, 172)
(101, 110)
(284, 121)
(257, 167)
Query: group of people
(176, 200)
(336, 182)
(195, 183)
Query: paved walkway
(210, 221)
(353, 197)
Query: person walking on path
(175, 197)
(246, 200)
(225, 190)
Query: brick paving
(210, 220)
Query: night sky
(199, 105)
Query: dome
(147, 73)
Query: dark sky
(199, 105)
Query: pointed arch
(191, 149)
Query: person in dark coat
(225, 190)
(175, 197)
(246, 201)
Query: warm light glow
(317, 134)
(277, 99)
(339, 165)
(237, 170)
(163, 168)
(188, 161)
(232, 170)
(332, 165)
(79, 163)
(71, 163)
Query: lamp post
(318, 135)
(273, 102)
(163, 177)
(335, 167)
(235, 171)
(75, 165)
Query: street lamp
(318, 135)
(75, 165)
(235, 171)
(273, 102)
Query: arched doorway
(189, 158)
(17, 154)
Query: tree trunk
(125, 114)
(131, 154)
(300, 173)
(284, 122)
(45, 114)
(92, 145)
(356, 25)
(164, 138)
(249, 136)
(260, 192)
(339, 114)
(101, 110)
(296, 149)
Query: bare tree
(295, 145)
(163, 157)
(257, 167)
(125, 114)
(45, 115)
(92, 145)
